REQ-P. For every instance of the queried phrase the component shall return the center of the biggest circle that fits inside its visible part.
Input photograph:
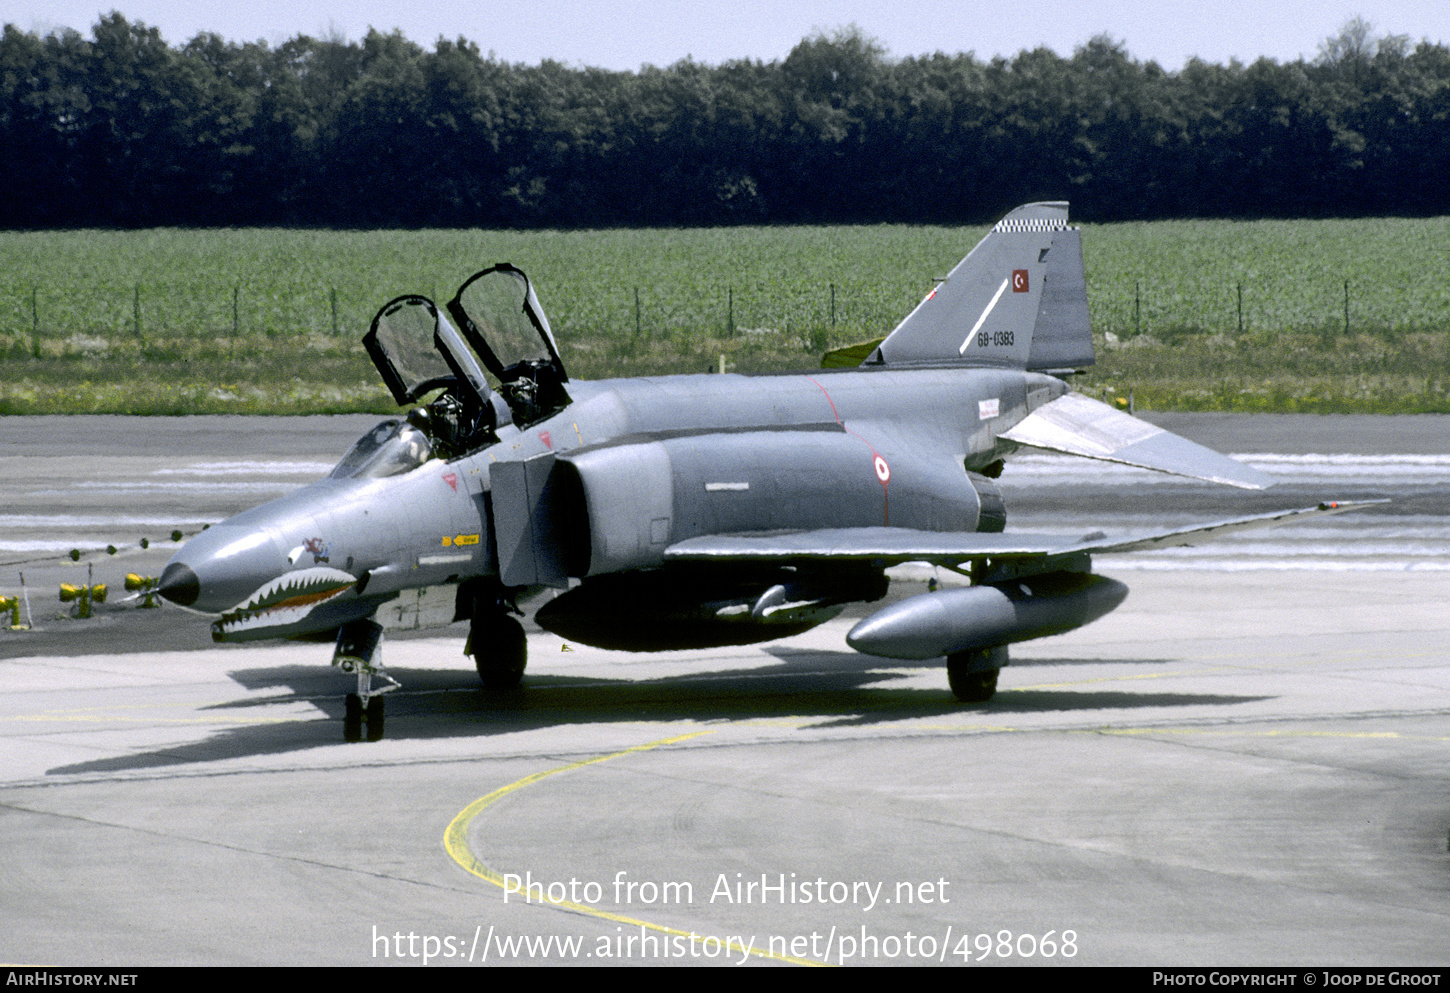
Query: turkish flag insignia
(1019, 280)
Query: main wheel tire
(352, 718)
(972, 675)
(500, 651)
(375, 719)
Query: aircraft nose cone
(179, 585)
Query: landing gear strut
(360, 650)
(972, 674)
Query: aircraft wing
(1200, 534)
(1076, 425)
(892, 546)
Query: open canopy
(499, 315)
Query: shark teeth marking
(295, 593)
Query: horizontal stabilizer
(1075, 425)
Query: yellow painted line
(455, 840)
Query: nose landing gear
(359, 650)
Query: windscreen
(390, 449)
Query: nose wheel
(358, 716)
(359, 650)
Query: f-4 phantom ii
(705, 510)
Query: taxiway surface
(1244, 764)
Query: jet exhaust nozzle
(949, 621)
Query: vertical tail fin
(1018, 299)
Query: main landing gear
(360, 650)
(496, 640)
(972, 674)
(499, 649)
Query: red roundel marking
(883, 471)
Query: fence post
(1346, 307)
(34, 321)
(136, 313)
(1241, 308)
(334, 311)
(729, 311)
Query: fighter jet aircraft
(705, 510)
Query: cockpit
(390, 449)
(501, 328)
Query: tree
(123, 129)
(833, 84)
(43, 101)
(1356, 42)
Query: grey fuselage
(652, 462)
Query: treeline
(124, 130)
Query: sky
(625, 34)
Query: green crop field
(1207, 315)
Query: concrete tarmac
(1234, 768)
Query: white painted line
(983, 319)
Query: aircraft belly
(419, 609)
(689, 607)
